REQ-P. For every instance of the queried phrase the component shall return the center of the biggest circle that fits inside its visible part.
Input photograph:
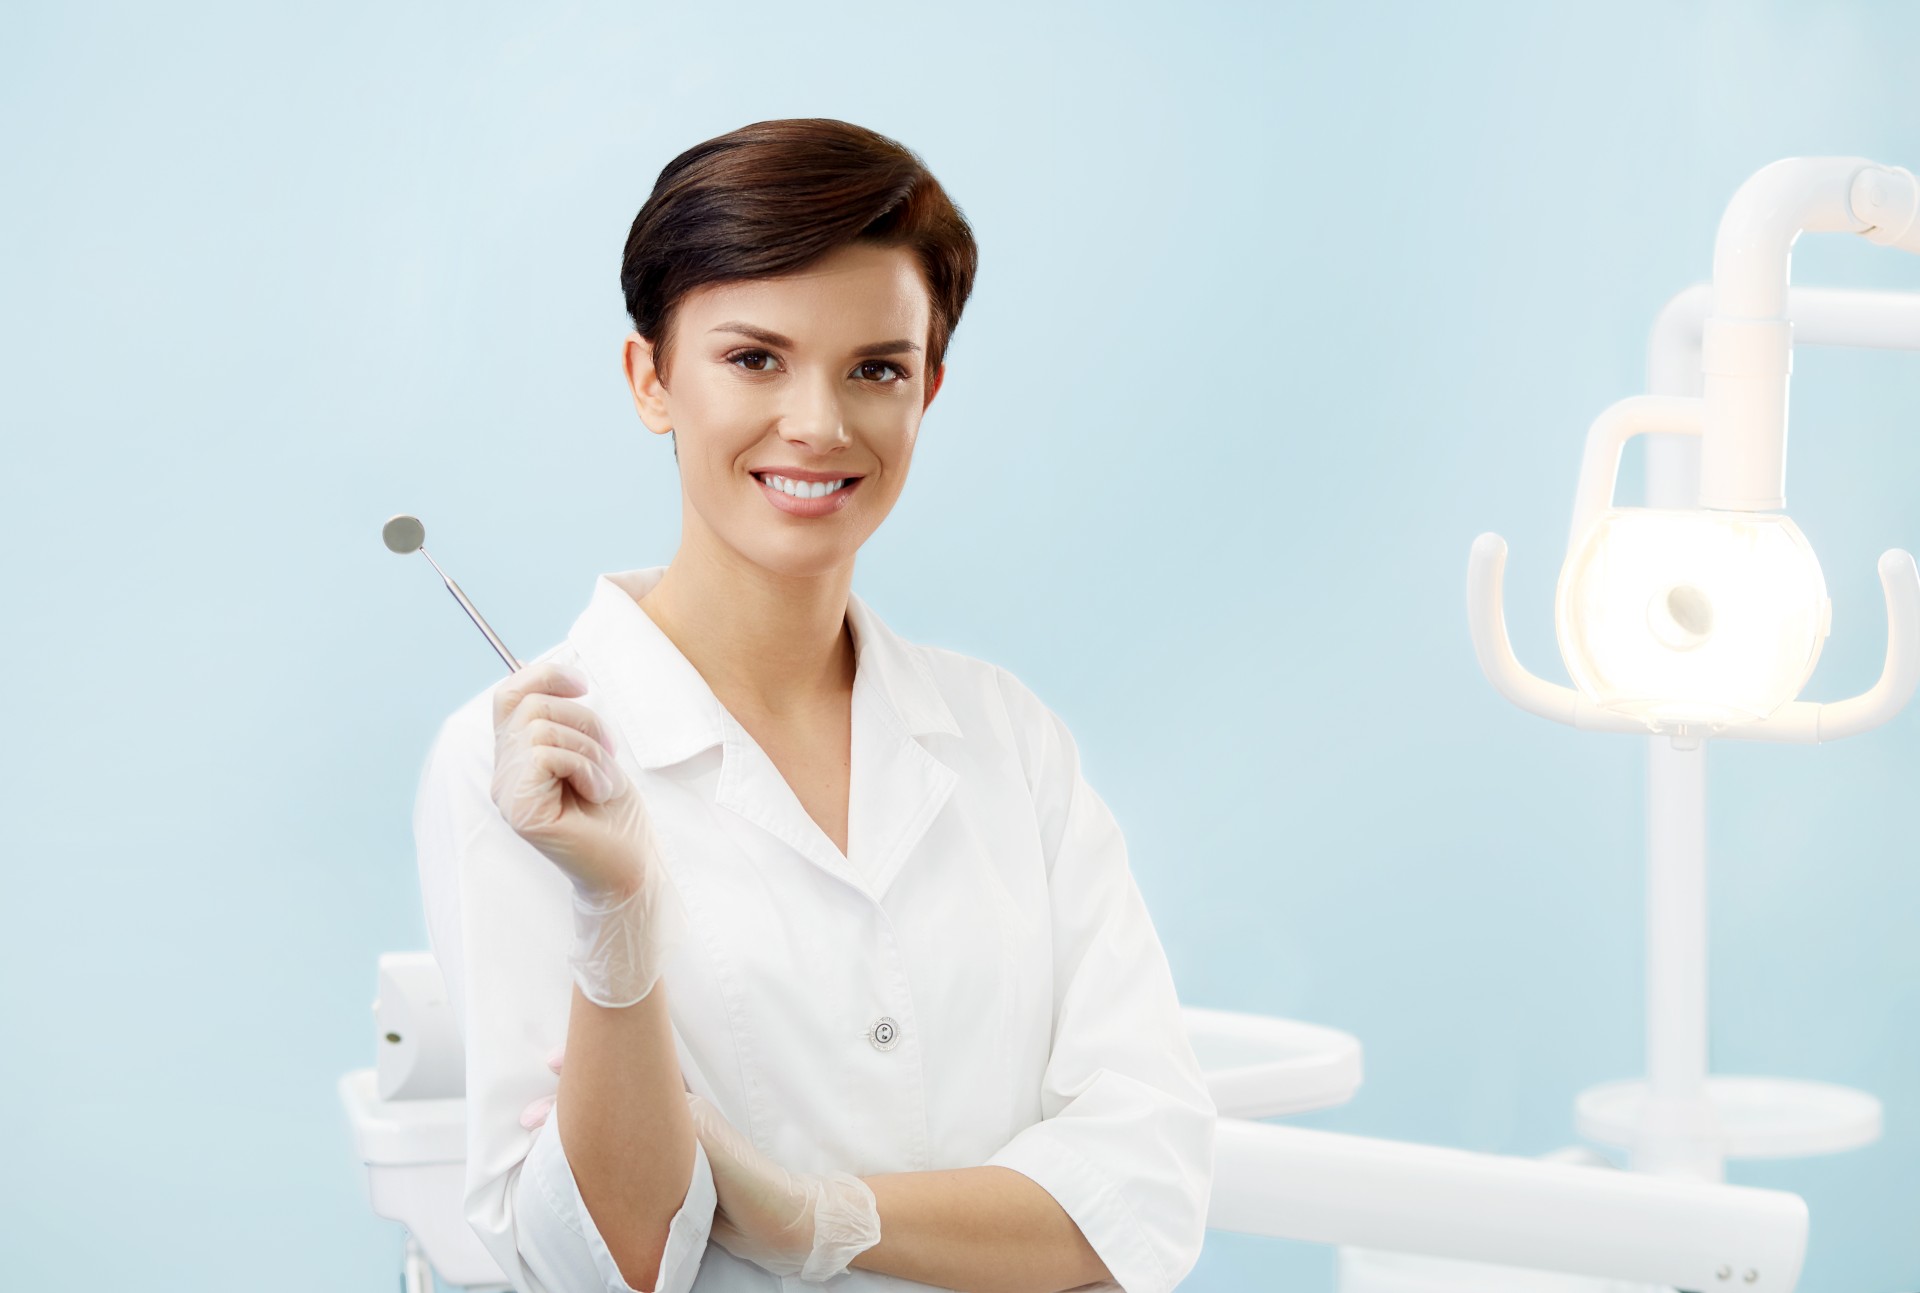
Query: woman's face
(816, 371)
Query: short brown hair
(775, 196)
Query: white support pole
(1679, 1131)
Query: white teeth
(804, 489)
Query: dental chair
(1408, 1218)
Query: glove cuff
(846, 1222)
(621, 946)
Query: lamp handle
(1810, 721)
(1487, 619)
(1618, 423)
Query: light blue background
(1278, 308)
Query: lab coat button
(885, 1034)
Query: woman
(850, 970)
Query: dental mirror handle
(513, 665)
(404, 534)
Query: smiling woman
(793, 288)
(850, 896)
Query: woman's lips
(822, 506)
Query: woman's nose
(815, 417)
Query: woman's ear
(643, 381)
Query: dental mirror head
(403, 533)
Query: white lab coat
(978, 982)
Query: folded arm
(988, 1229)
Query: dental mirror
(404, 534)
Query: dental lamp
(1702, 616)
(1708, 620)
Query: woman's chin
(800, 555)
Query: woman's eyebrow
(775, 339)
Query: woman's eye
(900, 374)
(738, 355)
(741, 358)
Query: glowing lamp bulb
(1691, 617)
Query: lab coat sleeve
(1126, 1139)
(498, 920)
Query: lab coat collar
(668, 711)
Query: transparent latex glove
(558, 785)
(789, 1223)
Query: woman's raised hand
(557, 783)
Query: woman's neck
(768, 645)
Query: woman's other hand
(536, 1111)
(790, 1223)
(558, 784)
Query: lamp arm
(1747, 340)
